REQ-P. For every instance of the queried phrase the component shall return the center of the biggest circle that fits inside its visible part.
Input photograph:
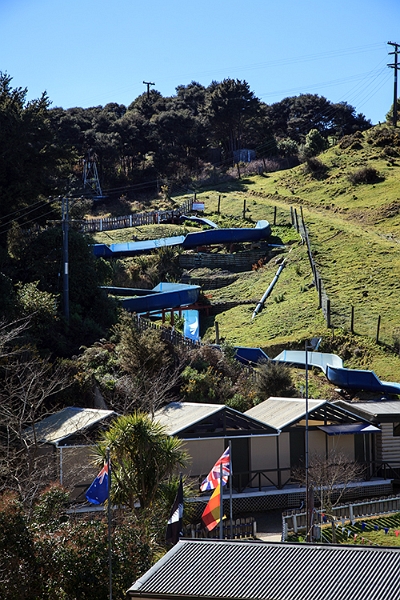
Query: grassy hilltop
(350, 198)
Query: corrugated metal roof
(177, 416)
(272, 571)
(281, 412)
(383, 408)
(180, 417)
(66, 422)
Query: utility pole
(396, 68)
(148, 83)
(65, 226)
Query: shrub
(365, 175)
(314, 166)
(274, 379)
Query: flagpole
(109, 522)
(230, 488)
(221, 507)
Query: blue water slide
(330, 364)
(357, 379)
(164, 296)
(250, 355)
(209, 237)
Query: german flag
(210, 516)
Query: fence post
(377, 329)
(216, 325)
(244, 208)
(294, 519)
(352, 320)
(296, 220)
(219, 204)
(351, 512)
(328, 313)
(319, 293)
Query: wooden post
(377, 329)
(238, 170)
(319, 293)
(244, 208)
(274, 215)
(328, 313)
(216, 325)
(219, 204)
(296, 222)
(352, 320)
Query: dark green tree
(231, 106)
(31, 165)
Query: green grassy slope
(355, 235)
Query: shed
(329, 427)
(386, 414)
(253, 570)
(67, 438)
(207, 430)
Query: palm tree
(142, 456)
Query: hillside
(351, 204)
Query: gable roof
(383, 411)
(68, 422)
(283, 412)
(236, 569)
(192, 420)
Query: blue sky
(86, 53)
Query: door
(297, 448)
(240, 462)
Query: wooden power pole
(395, 66)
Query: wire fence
(351, 318)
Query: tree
(91, 311)
(28, 384)
(315, 144)
(142, 455)
(19, 577)
(389, 115)
(30, 161)
(330, 476)
(231, 106)
(48, 554)
(295, 116)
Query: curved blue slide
(209, 237)
(330, 364)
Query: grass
(355, 235)
(371, 531)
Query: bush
(274, 379)
(314, 166)
(365, 175)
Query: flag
(212, 479)
(211, 513)
(174, 526)
(97, 493)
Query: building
(386, 415)
(64, 444)
(268, 444)
(236, 569)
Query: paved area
(269, 525)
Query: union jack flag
(212, 479)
